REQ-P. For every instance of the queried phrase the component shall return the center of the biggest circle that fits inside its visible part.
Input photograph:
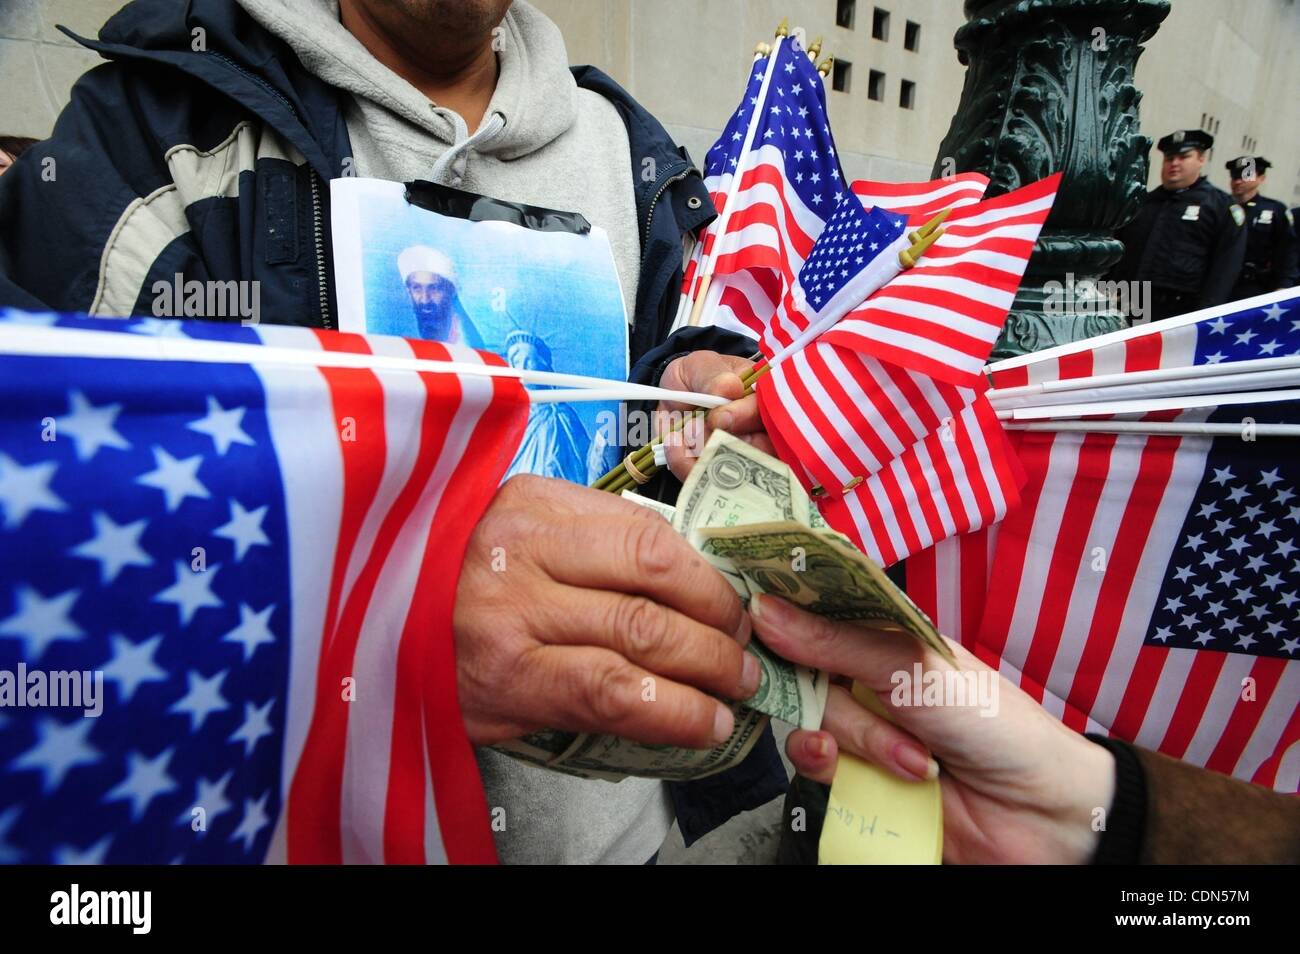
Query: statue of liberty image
(555, 443)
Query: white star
(244, 528)
(162, 328)
(191, 592)
(1269, 477)
(254, 821)
(1273, 312)
(1221, 527)
(1211, 558)
(1284, 548)
(1216, 358)
(1228, 576)
(175, 478)
(1163, 633)
(1203, 639)
(61, 748)
(1208, 509)
(1174, 603)
(133, 664)
(203, 698)
(1245, 336)
(1267, 529)
(1183, 574)
(1195, 541)
(256, 726)
(24, 489)
(1218, 325)
(93, 855)
(1244, 640)
(90, 426)
(145, 780)
(1237, 545)
(1253, 511)
(1236, 494)
(40, 621)
(115, 546)
(254, 629)
(1215, 608)
(211, 797)
(1290, 645)
(222, 425)
(1222, 475)
(1244, 594)
(1268, 348)
(1274, 628)
(1200, 591)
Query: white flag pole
(1159, 428)
(86, 343)
(746, 157)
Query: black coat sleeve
(1225, 260)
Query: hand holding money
(751, 519)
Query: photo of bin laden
(430, 279)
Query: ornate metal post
(1049, 87)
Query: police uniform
(1270, 261)
(1187, 243)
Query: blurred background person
(1270, 261)
(11, 147)
(1187, 238)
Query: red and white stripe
(921, 201)
(943, 316)
(390, 776)
(955, 479)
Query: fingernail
(744, 630)
(751, 675)
(915, 761)
(723, 724)
(817, 746)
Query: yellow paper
(876, 818)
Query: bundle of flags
(874, 390)
(1148, 582)
(249, 539)
(1134, 493)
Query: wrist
(1080, 817)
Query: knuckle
(644, 627)
(607, 692)
(652, 548)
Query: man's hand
(1018, 786)
(710, 373)
(577, 610)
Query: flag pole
(1158, 428)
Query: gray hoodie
(545, 142)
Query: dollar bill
(818, 571)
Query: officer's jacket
(1190, 241)
(1270, 245)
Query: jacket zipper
(318, 229)
(318, 225)
(650, 212)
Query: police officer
(1187, 239)
(1270, 231)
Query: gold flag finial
(826, 65)
(762, 49)
(908, 257)
(784, 28)
(815, 50)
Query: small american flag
(1143, 578)
(921, 201)
(774, 198)
(261, 561)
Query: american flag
(260, 559)
(943, 316)
(1143, 579)
(774, 198)
(921, 201)
(859, 410)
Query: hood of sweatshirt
(535, 99)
